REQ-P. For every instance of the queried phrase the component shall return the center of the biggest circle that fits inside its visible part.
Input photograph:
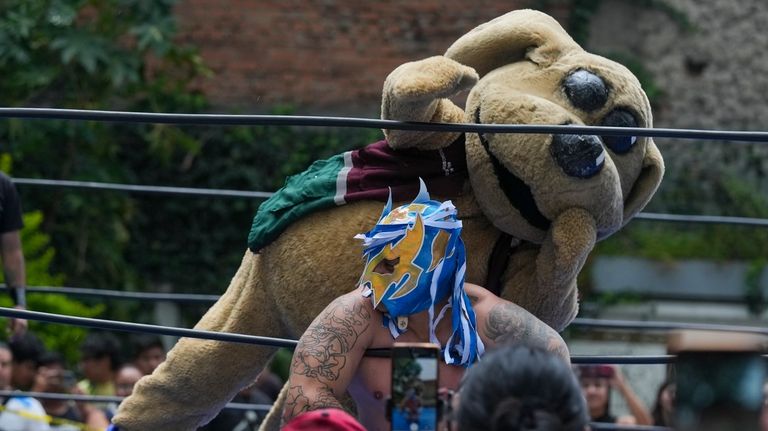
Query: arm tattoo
(322, 350)
(322, 354)
(297, 403)
(509, 322)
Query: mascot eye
(619, 118)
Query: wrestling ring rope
(317, 121)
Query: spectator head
(100, 357)
(148, 353)
(516, 388)
(52, 375)
(596, 385)
(664, 408)
(26, 350)
(6, 360)
(126, 379)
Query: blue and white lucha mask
(420, 246)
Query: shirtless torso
(330, 357)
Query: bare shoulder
(479, 296)
(501, 321)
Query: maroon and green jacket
(364, 174)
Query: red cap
(595, 371)
(324, 420)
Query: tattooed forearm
(508, 322)
(322, 351)
(325, 398)
(298, 402)
(321, 356)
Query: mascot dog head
(532, 72)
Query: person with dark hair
(596, 384)
(54, 377)
(11, 251)
(18, 413)
(148, 352)
(664, 409)
(27, 350)
(99, 361)
(517, 387)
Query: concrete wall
(714, 76)
(718, 281)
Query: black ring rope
(113, 399)
(142, 189)
(145, 328)
(319, 121)
(259, 340)
(675, 218)
(121, 294)
(579, 322)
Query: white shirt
(23, 414)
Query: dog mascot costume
(532, 206)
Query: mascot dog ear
(646, 184)
(518, 35)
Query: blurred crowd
(27, 367)
(513, 388)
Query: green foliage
(122, 54)
(64, 339)
(698, 241)
(580, 19)
(405, 375)
(719, 242)
(91, 54)
(207, 236)
(38, 255)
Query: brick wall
(319, 57)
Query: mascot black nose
(580, 156)
(585, 90)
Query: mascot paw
(427, 80)
(418, 91)
(571, 238)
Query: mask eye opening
(386, 266)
